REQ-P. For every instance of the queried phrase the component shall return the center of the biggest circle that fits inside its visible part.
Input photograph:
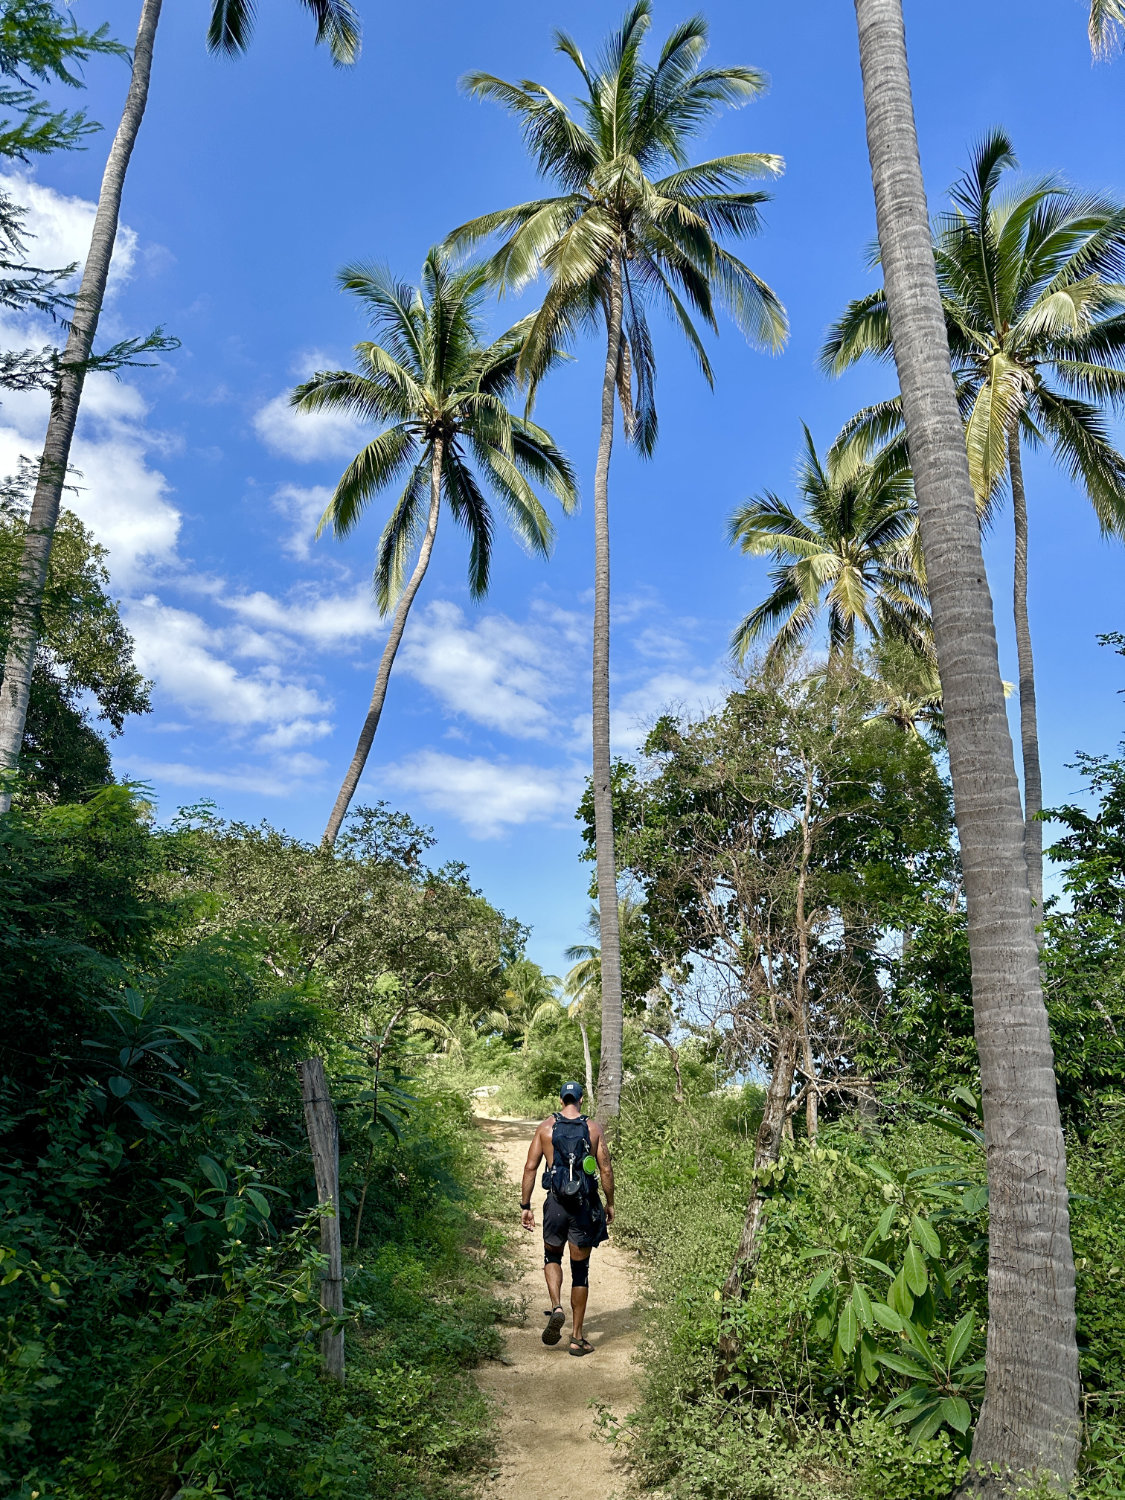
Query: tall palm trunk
(609, 1067)
(1029, 1418)
(1029, 728)
(398, 625)
(24, 636)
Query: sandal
(580, 1347)
(553, 1331)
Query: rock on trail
(548, 1449)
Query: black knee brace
(552, 1255)
(580, 1271)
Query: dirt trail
(547, 1446)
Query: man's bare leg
(553, 1272)
(578, 1295)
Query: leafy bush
(159, 1269)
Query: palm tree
(229, 31)
(1035, 317)
(907, 688)
(441, 393)
(849, 552)
(1107, 25)
(632, 224)
(1029, 1420)
(530, 996)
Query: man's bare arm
(605, 1171)
(530, 1167)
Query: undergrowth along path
(549, 1400)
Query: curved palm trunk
(1029, 1421)
(1029, 727)
(24, 638)
(398, 625)
(609, 1067)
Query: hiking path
(548, 1448)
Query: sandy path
(547, 1447)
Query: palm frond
(1107, 26)
(374, 467)
(400, 536)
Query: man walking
(576, 1153)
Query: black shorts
(584, 1227)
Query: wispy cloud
(188, 660)
(59, 228)
(487, 796)
(307, 436)
(302, 508)
(268, 781)
(496, 672)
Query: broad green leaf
(926, 1235)
(259, 1202)
(119, 1086)
(861, 1301)
(975, 1199)
(886, 1220)
(904, 1365)
(914, 1270)
(886, 1316)
(955, 1411)
(958, 1341)
(820, 1282)
(848, 1329)
(922, 1431)
(213, 1172)
(900, 1297)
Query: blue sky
(254, 180)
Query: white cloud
(488, 796)
(186, 658)
(59, 228)
(120, 497)
(307, 436)
(302, 508)
(495, 672)
(299, 732)
(322, 619)
(281, 781)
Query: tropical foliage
(851, 553)
(439, 394)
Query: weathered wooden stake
(324, 1140)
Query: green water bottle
(590, 1164)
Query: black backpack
(566, 1177)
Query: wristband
(526, 1207)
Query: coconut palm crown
(631, 207)
(1034, 300)
(337, 27)
(438, 392)
(848, 553)
(1033, 292)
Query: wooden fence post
(324, 1140)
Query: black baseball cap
(570, 1090)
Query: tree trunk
(324, 1142)
(1029, 1421)
(1029, 728)
(587, 1059)
(609, 1067)
(767, 1148)
(67, 395)
(398, 625)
